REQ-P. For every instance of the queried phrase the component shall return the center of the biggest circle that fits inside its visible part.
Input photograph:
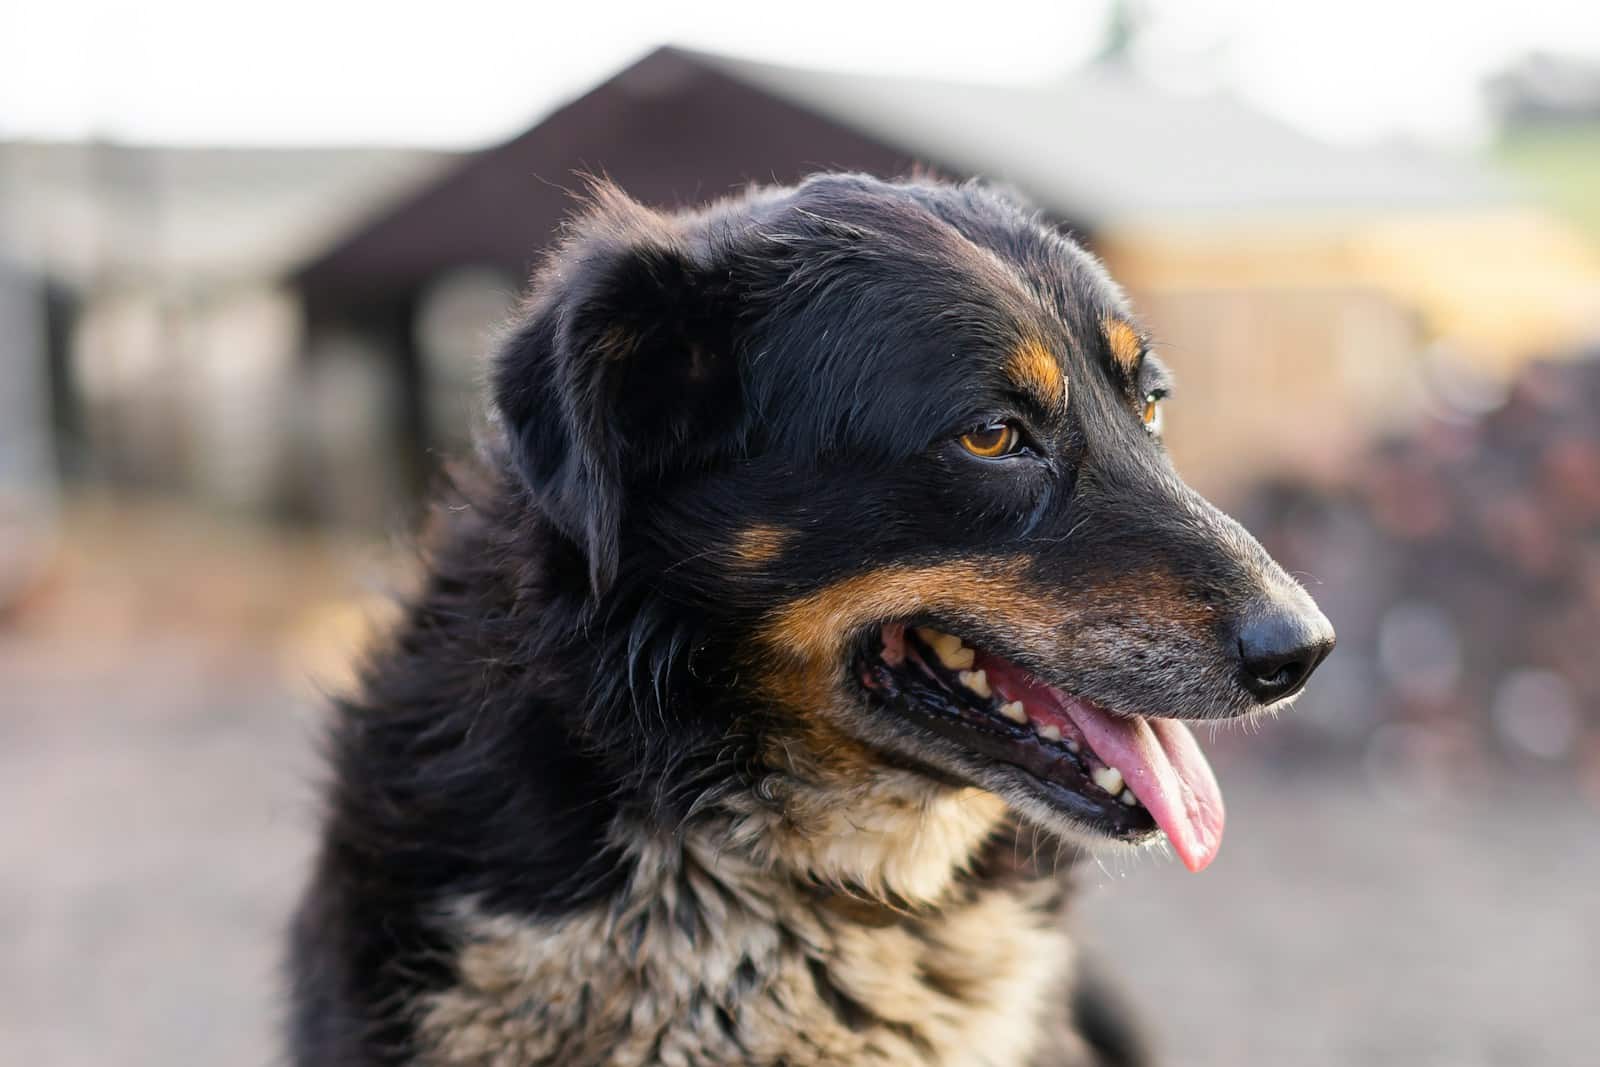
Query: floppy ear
(621, 369)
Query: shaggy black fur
(797, 359)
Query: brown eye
(993, 442)
(1151, 415)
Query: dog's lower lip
(928, 678)
(1122, 775)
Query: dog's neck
(713, 953)
(791, 913)
(888, 835)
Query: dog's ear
(621, 369)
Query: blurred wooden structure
(303, 330)
(423, 283)
(1286, 275)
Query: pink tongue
(1163, 765)
(1159, 759)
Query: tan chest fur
(708, 958)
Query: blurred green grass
(1563, 166)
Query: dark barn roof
(681, 127)
(671, 130)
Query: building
(1284, 272)
(304, 329)
(423, 283)
(170, 347)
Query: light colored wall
(1293, 343)
(1279, 380)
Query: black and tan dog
(826, 570)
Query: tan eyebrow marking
(1126, 347)
(1034, 368)
(760, 544)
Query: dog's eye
(1151, 414)
(994, 441)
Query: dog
(821, 590)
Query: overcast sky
(469, 72)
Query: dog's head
(890, 455)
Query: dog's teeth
(1128, 798)
(1014, 711)
(977, 681)
(948, 647)
(955, 656)
(1109, 779)
(1049, 731)
(1072, 746)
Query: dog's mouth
(1121, 776)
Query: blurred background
(251, 259)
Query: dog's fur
(610, 794)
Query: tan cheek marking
(805, 690)
(1126, 348)
(1033, 368)
(807, 641)
(758, 545)
(816, 626)
(805, 671)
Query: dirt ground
(157, 808)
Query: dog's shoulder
(705, 958)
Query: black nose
(1279, 646)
